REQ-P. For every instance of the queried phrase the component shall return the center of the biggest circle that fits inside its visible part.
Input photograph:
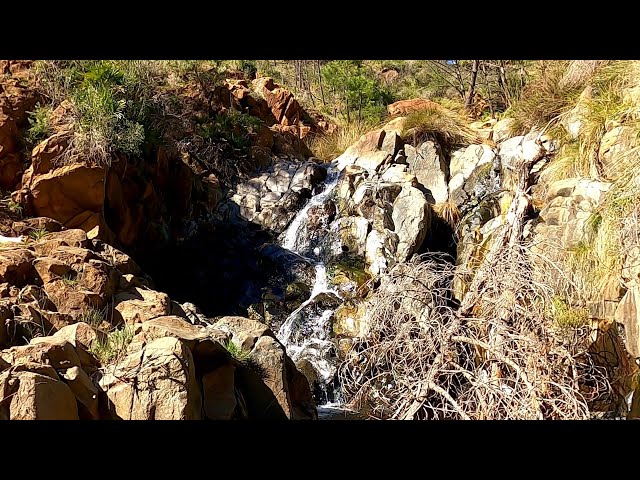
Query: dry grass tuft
(330, 146)
(448, 127)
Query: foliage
(566, 316)
(39, 125)
(545, 98)
(38, 234)
(113, 346)
(233, 127)
(355, 90)
(93, 317)
(237, 351)
(70, 279)
(113, 103)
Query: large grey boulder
(430, 168)
(411, 216)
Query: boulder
(628, 314)
(372, 161)
(16, 266)
(430, 168)
(380, 251)
(39, 397)
(288, 385)
(502, 129)
(405, 107)
(59, 191)
(245, 332)
(15, 101)
(352, 234)
(84, 390)
(82, 337)
(219, 399)
(411, 217)
(156, 383)
(172, 326)
(138, 305)
(368, 143)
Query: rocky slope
(274, 266)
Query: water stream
(306, 331)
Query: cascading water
(306, 331)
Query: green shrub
(38, 234)
(569, 317)
(93, 317)
(115, 106)
(39, 125)
(237, 351)
(114, 346)
(71, 280)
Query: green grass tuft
(38, 234)
(236, 351)
(114, 346)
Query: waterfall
(306, 331)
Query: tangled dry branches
(422, 359)
(493, 356)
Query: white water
(294, 236)
(306, 335)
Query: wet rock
(380, 252)
(352, 233)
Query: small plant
(39, 125)
(449, 212)
(14, 207)
(70, 279)
(38, 234)
(93, 317)
(114, 346)
(566, 316)
(236, 351)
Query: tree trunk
(502, 80)
(320, 82)
(472, 87)
(488, 85)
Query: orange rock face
(404, 107)
(15, 101)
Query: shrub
(114, 346)
(568, 317)
(114, 103)
(236, 351)
(71, 280)
(38, 234)
(545, 98)
(93, 317)
(39, 125)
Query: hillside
(303, 239)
